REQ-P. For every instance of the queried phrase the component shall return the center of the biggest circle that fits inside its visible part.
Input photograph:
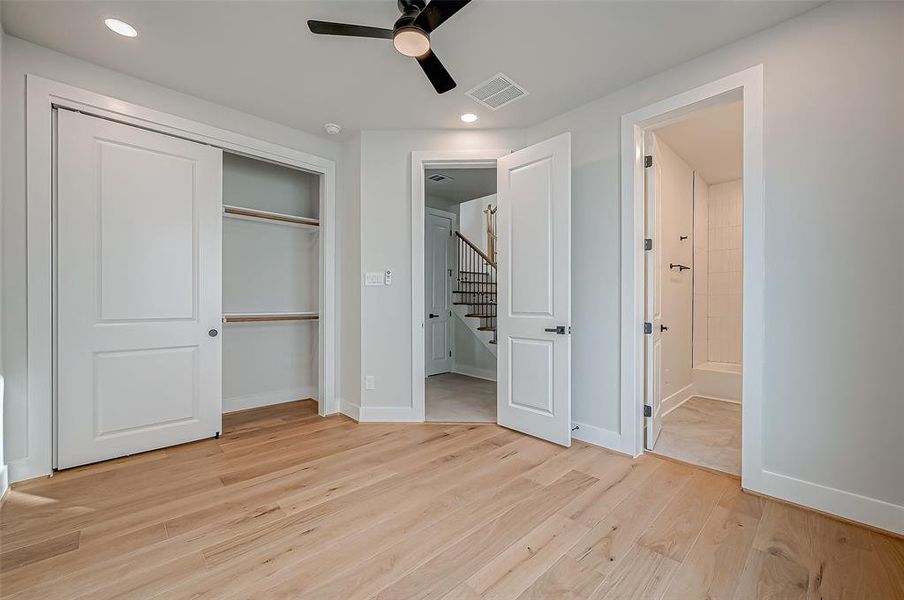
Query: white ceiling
(260, 58)
(466, 184)
(711, 141)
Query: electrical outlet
(369, 383)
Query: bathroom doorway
(694, 278)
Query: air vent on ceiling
(439, 178)
(496, 92)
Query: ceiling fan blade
(435, 13)
(328, 28)
(436, 72)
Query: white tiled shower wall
(724, 272)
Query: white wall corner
(350, 409)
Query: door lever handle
(679, 267)
(433, 316)
(558, 330)
(663, 328)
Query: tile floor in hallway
(703, 432)
(452, 397)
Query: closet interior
(271, 283)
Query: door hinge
(647, 161)
(647, 328)
(648, 244)
(647, 411)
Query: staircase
(475, 291)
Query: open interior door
(653, 295)
(534, 290)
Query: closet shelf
(261, 317)
(253, 213)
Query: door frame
(421, 160)
(454, 217)
(746, 85)
(42, 95)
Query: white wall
(701, 270)
(834, 130)
(726, 234)
(473, 221)
(19, 58)
(350, 278)
(4, 473)
(472, 358)
(269, 267)
(386, 243)
(676, 221)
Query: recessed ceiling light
(121, 27)
(468, 117)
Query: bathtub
(717, 380)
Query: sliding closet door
(138, 290)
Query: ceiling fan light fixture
(411, 41)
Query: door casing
(421, 160)
(746, 85)
(42, 96)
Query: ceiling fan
(410, 35)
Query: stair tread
(474, 303)
(474, 292)
(486, 329)
(481, 316)
(493, 342)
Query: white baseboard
(388, 414)
(705, 397)
(605, 438)
(855, 507)
(4, 481)
(267, 398)
(350, 409)
(470, 371)
(677, 399)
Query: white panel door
(534, 290)
(139, 290)
(653, 298)
(438, 295)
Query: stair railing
(490, 212)
(476, 282)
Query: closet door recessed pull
(213, 333)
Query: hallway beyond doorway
(458, 398)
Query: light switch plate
(373, 278)
(369, 383)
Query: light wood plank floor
(703, 432)
(290, 505)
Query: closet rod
(272, 216)
(258, 317)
